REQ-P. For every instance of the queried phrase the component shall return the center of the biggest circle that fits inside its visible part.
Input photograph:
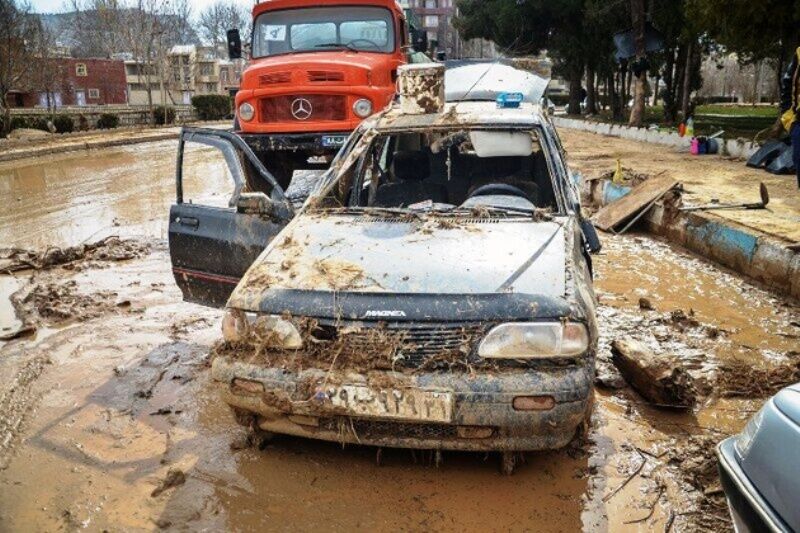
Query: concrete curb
(759, 257)
(89, 145)
(740, 148)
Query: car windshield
(367, 29)
(457, 171)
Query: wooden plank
(629, 205)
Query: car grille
(322, 107)
(413, 345)
(318, 76)
(275, 78)
(383, 429)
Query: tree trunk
(614, 102)
(687, 81)
(6, 126)
(591, 92)
(638, 20)
(669, 88)
(576, 76)
(656, 89)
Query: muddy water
(69, 198)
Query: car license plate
(358, 400)
(333, 141)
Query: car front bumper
(750, 511)
(482, 418)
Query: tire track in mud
(17, 401)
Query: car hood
(337, 253)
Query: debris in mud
(645, 304)
(25, 330)
(174, 478)
(696, 462)
(54, 303)
(659, 379)
(109, 249)
(743, 380)
(627, 177)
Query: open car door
(212, 247)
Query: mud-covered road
(108, 420)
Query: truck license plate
(333, 141)
(358, 400)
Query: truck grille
(275, 78)
(315, 107)
(318, 76)
(412, 345)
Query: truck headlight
(535, 340)
(246, 112)
(362, 108)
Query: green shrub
(164, 115)
(107, 121)
(63, 123)
(30, 122)
(212, 106)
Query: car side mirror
(591, 240)
(419, 40)
(234, 44)
(257, 203)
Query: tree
(19, 32)
(767, 29)
(638, 23)
(218, 18)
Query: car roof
(467, 114)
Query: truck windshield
(367, 29)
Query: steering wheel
(368, 41)
(502, 189)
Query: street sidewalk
(13, 149)
(703, 177)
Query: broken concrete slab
(659, 379)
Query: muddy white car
(433, 292)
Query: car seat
(411, 170)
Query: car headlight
(362, 108)
(745, 439)
(271, 330)
(535, 340)
(246, 112)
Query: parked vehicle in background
(315, 72)
(434, 292)
(760, 467)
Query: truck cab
(316, 71)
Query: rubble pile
(107, 250)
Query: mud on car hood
(360, 258)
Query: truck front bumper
(312, 144)
(481, 413)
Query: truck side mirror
(234, 44)
(419, 40)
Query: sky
(57, 6)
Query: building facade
(65, 81)
(436, 18)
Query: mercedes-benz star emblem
(301, 109)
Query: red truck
(316, 70)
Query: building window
(80, 69)
(94, 93)
(431, 21)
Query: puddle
(9, 322)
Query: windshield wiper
(338, 45)
(396, 211)
(505, 210)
